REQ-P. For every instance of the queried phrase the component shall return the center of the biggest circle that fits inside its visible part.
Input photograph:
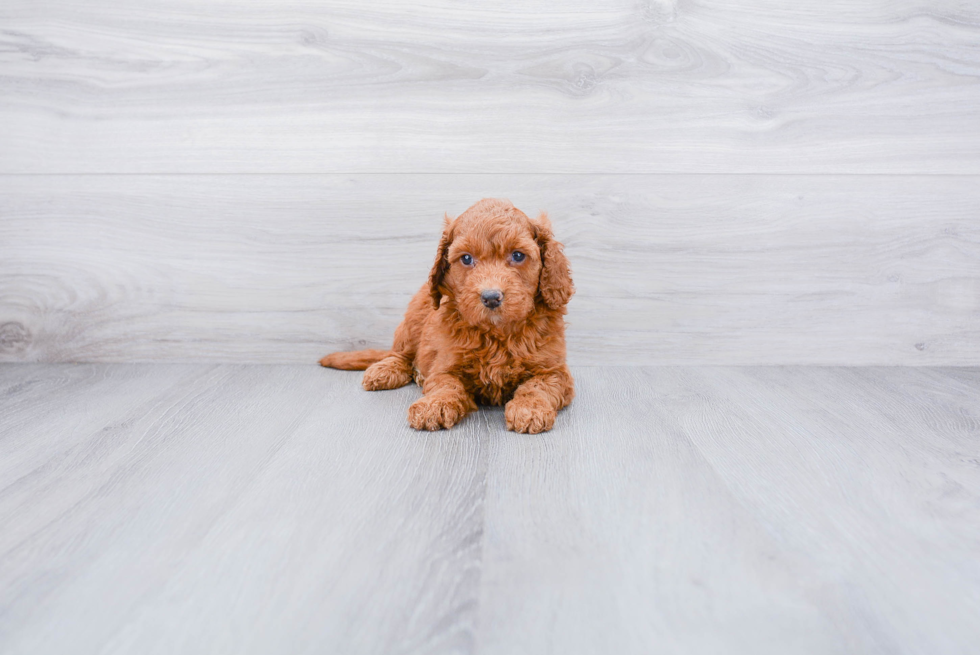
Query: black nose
(492, 298)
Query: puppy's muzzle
(492, 298)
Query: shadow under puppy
(488, 327)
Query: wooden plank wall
(736, 182)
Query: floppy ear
(441, 265)
(555, 284)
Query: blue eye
(518, 256)
(467, 260)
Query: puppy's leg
(535, 404)
(395, 370)
(390, 373)
(444, 404)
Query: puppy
(488, 327)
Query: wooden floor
(281, 509)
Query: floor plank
(267, 495)
(234, 508)
(616, 535)
(669, 269)
(55, 414)
(530, 87)
(877, 500)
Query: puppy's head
(496, 264)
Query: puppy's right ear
(441, 265)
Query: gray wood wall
(736, 182)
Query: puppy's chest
(493, 376)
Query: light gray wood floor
(224, 508)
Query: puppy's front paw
(529, 414)
(389, 373)
(435, 413)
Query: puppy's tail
(354, 361)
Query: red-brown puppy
(488, 326)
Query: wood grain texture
(260, 509)
(658, 86)
(673, 269)
(271, 497)
(759, 510)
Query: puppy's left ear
(441, 266)
(555, 284)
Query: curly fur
(463, 353)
